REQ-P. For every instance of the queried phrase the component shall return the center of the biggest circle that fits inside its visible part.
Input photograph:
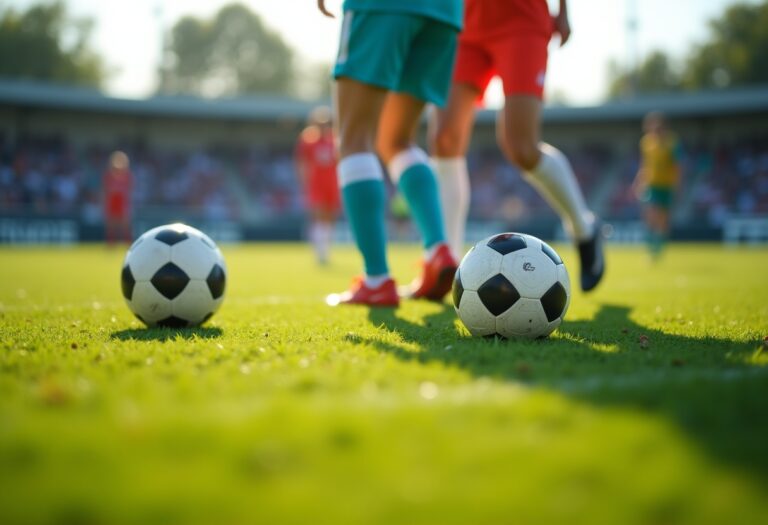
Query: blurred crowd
(500, 193)
(720, 180)
(49, 176)
(732, 178)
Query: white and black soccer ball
(174, 276)
(512, 285)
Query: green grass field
(283, 410)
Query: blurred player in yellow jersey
(658, 178)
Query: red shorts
(519, 59)
(323, 192)
(117, 206)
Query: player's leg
(408, 165)
(655, 235)
(126, 233)
(522, 62)
(425, 78)
(450, 133)
(361, 179)
(543, 165)
(547, 169)
(663, 217)
(450, 130)
(371, 55)
(109, 230)
(311, 188)
(325, 222)
(314, 234)
(649, 218)
(409, 169)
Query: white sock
(324, 233)
(374, 281)
(453, 181)
(314, 238)
(553, 178)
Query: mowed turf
(648, 406)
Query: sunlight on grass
(645, 407)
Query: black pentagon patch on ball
(127, 282)
(172, 322)
(507, 243)
(171, 237)
(554, 301)
(458, 289)
(552, 254)
(216, 281)
(498, 294)
(170, 280)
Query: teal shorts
(398, 52)
(657, 196)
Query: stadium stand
(230, 162)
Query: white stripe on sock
(404, 160)
(359, 167)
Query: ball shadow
(705, 385)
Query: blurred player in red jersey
(316, 166)
(509, 38)
(118, 184)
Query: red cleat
(383, 295)
(437, 277)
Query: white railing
(750, 230)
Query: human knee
(524, 155)
(352, 141)
(447, 142)
(388, 147)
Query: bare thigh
(450, 127)
(358, 108)
(518, 130)
(398, 124)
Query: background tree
(734, 54)
(232, 54)
(313, 81)
(44, 43)
(655, 74)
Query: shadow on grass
(167, 334)
(704, 385)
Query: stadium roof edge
(752, 100)
(48, 96)
(28, 94)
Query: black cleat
(592, 259)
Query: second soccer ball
(173, 276)
(512, 285)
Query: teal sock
(364, 205)
(419, 187)
(655, 243)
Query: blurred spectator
(118, 186)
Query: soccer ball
(174, 276)
(512, 285)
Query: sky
(128, 35)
